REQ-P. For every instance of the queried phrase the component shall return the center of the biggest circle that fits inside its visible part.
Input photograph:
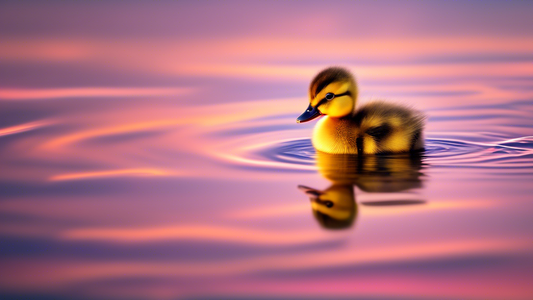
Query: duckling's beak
(309, 114)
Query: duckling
(377, 127)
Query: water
(133, 167)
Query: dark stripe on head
(326, 77)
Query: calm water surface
(168, 173)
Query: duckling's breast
(376, 128)
(336, 136)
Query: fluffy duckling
(377, 127)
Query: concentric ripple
(513, 153)
(300, 151)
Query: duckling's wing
(389, 127)
(380, 131)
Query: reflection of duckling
(372, 173)
(377, 127)
(335, 207)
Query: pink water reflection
(151, 151)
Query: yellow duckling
(377, 127)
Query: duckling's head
(332, 92)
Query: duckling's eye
(330, 96)
(328, 204)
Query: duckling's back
(377, 127)
(387, 127)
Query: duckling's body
(377, 127)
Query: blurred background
(149, 150)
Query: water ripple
(299, 151)
(513, 153)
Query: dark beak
(309, 114)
